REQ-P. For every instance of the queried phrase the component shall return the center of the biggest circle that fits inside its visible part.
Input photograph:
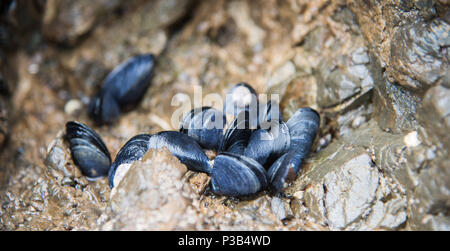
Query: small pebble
(411, 139)
(73, 107)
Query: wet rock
(332, 61)
(291, 101)
(343, 77)
(281, 77)
(153, 196)
(431, 203)
(45, 202)
(419, 57)
(198, 181)
(342, 59)
(353, 119)
(256, 213)
(405, 197)
(66, 21)
(434, 115)
(394, 106)
(281, 209)
(59, 163)
(142, 28)
(346, 187)
(240, 11)
(406, 37)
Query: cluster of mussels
(257, 150)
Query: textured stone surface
(66, 21)
(395, 107)
(434, 114)
(153, 196)
(345, 188)
(407, 38)
(55, 198)
(419, 53)
(344, 76)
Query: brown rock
(434, 115)
(153, 196)
(66, 21)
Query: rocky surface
(377, 72)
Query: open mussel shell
(237, 175)
(242, 97)
(124, 87)
(265, 146)
(236, 136)
(89, 152)
(187, 150)
(133, 150)
(205, 125)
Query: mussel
(242, 97)
(271, 112)
(180, 145)
(184, 148)
(89, 152)
(271, 139)
(134, 149)
(122, 89)
(205, 125)
(237, 175)
(303, 127)
(265, 146)
(236, 136)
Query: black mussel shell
(259, 146)
(242, 97)
(237, 175)
(133, 150)
(271, 112)
(265, 146)
(286, 167)
(89, 152)
(281, 138)
(235, 138)
(129, 81)
(123, 88)
(186, 149)
(104, 109)
(205, 125)
(303, 127)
